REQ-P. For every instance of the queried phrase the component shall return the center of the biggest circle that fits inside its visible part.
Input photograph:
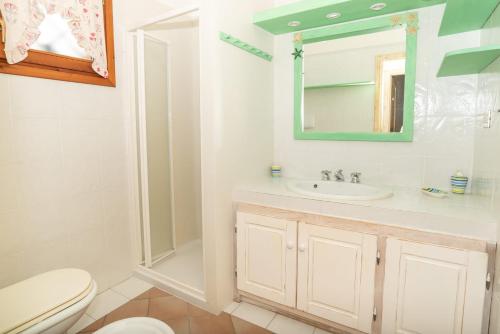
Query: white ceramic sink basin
(338, 190)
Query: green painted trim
(245, 46)
(466, 15)
(351, 29)
(468, 61)
(349, 84)
(312, 13)
(410, 20)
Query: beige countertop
(460, 215)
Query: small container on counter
(276, 171)
(459, 183)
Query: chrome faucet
(326, 175)
(356, 177)
(339, 176)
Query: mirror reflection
(355, 84)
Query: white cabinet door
(336, 275)
(432, 290)
(267, 257)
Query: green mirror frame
(408, 20)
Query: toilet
(139, 325)
(48, 303)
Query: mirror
(356, 81)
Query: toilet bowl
(48, 303)
(139, 325)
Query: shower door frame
(142, 143)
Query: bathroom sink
(338, 190)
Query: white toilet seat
(138, 325)
(38, 300)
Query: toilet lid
(28, 302)
(137, 325)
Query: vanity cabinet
(267, 257)
(431, 289)
(362, 278)
(336, 274)
(326, 272)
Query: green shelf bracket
(245, 46)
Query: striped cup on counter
(459, 184)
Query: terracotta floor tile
(155, 293)
(144, 295)
(134, 308)
(212, 324)
(245, 327)
(179, 325)
(93, 326)
(197, 312)
(152, 293)
(165, 308)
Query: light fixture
(378, 6)
(332, 16)
(294, 23)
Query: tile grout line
(270, 321)
(237, 307)
(128, 299)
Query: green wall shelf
(468, 61)
(466, 15)
(349, 84)
(312, 13)
(245, 46)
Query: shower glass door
(155, 147)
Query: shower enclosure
(155, 147)
(167, 118)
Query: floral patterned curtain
(85, 19)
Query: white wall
(345, 109)
(64, 195)
(345, 66)
(487, 145)
(444, 121)
(236, 118)
(339, 109)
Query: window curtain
(85, 19)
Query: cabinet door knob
(302, 248)
(290, 245)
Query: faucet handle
(325, 174)
(356, 177)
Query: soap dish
(433, 192)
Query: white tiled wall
(63, 178)
(444, 121)
(487, 145)
(64, 190)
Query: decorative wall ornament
(396, 20)
(297, 37)
(85, 19)
(297, 53)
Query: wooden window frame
(48, 65)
